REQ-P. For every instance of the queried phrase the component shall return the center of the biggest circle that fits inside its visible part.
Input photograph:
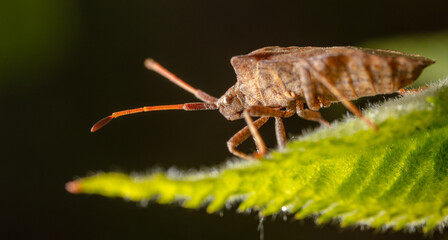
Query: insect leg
(156, 67)
(403, 91)
(309, 89)
(349, 105)
(242, 136)
(261, 147)
(270, 112)
(280, 133)
(310, 115)
(257, 111)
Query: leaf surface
(396, 177)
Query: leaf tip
(73, 187)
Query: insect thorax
(264, 82)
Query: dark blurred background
(66, 64)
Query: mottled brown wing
(267, 73)
(261, 85)
(358, 72)
(355, 72)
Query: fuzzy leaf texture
(394, 178)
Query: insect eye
(228, 100)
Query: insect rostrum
(277, 82)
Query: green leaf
(393, 178)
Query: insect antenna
(208, 104)
(186, 106)
(156, 67)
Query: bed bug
(278, 81)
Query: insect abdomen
(362, 75)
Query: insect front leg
(270, 112)
(252, 129)
(243, 135)
(261, 147)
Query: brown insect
(277, 82)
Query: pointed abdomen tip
(101, 123)
(73, 187)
